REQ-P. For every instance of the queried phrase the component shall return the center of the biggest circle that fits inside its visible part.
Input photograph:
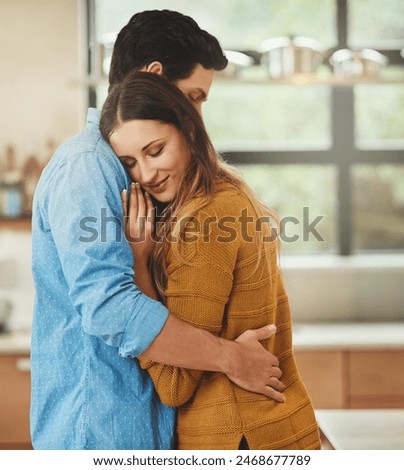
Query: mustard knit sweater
(215, 284)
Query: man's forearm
(182, 345)
(244, 360)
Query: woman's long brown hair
(149, 96)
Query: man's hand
(245, 361)
(254, 368)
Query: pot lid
(239, 58)
(287, 41)
(348, 54)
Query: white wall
(39, 59)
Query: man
(90, 319)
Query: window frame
(343, 153)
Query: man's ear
(190, 129)
(154, 67)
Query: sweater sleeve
(200, 280)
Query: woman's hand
(139, 217)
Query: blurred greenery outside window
(300, 157)
(379, 207)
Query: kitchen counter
(306, 336)
(348, 336)
(15, 343)
(363, 429)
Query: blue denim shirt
(90, 319)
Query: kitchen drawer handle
(23, 364)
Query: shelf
(23, 223)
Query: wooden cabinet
(15, 224)
(14, 402)
(353, 378)
(376, 379)
(323, 374)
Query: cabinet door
(14, 402)
(323, 375)
(376, 379)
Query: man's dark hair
(168, 37)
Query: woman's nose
(147, 173)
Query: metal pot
(366, 63)
(237, 62)
(287, 56)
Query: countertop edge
(306, 336)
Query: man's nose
(198, 107)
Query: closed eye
(157, 153)
(128, 162)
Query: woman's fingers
(141, 204)
(124, 199)
(141, 213)
(133, 203)
(139, 216)
(150, 214)
(140, 222)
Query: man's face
(196, 87)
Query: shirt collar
(93, 116)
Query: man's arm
(244, 361)
(81, 206)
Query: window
(378, 202)
(247, 116)
(376, 24)
(322, 151)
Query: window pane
(378, 207)
(376, 23)
(380, 115)
(245, 116)
(303, 196)
(238, 24)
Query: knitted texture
(215, 284)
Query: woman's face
(155, 154)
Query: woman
(213, 262)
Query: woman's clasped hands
(139, 219)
